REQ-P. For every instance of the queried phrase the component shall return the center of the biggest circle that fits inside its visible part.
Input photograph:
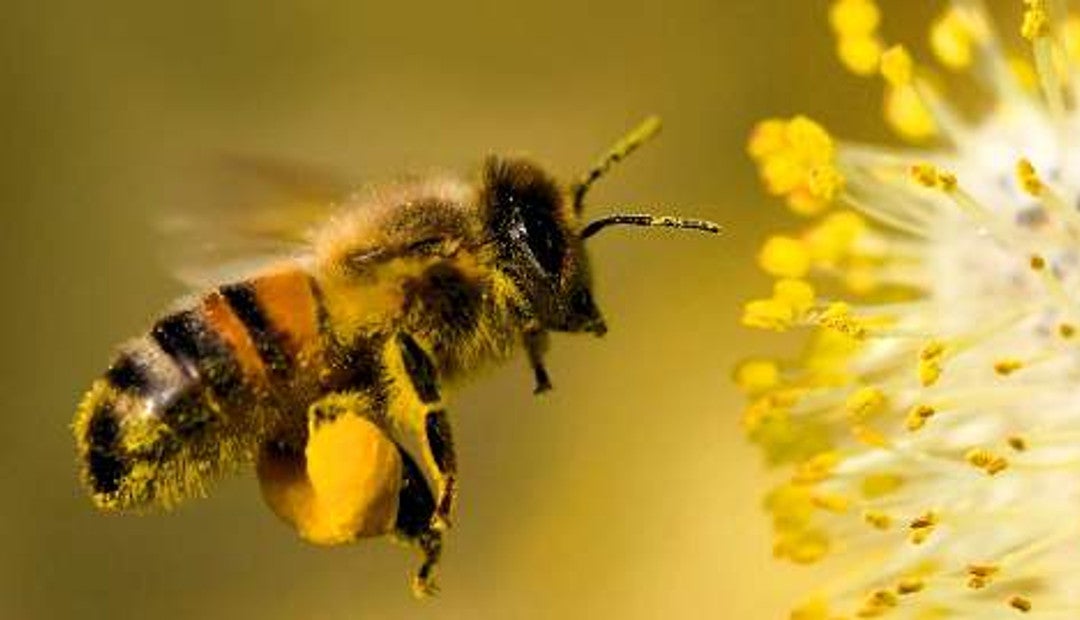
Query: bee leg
(416, 505)
(436, 436)
(536, 345)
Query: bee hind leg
(435, 434)
(416, 506)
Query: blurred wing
(246, 212)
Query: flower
(931, 427)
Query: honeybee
(318, 367)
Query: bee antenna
(644, 219)
(626, 145)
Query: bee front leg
(435, 433)
(536, 345)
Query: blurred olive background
(628, 491)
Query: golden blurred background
(627, 492)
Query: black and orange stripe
(198, 368)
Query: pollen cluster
(930, 429)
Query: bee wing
(246, 212)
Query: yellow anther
(757, 376)
(877, 603)
(832, 503)
(877, 519)
(865, 402)
(815, 609)
(1029, 178)
(834, 237)
(925, 175)
(1037, 262)
(796, 294)
(922, 527)
(925, 520)
(854, 17)
(907, 114)
(931, 358)
(1017, 443)
(861, 54)
(784, 257)
(1023, 71)
(1071, 38)
(983, 570)
(876, 486)
(1066, 330)
(767, 138)
(768, 314)
(917, 417)
(897, 66)
(910, 585)
(869, 436)
(796, 159)
(825, 183)
(986, 460)
(1036, 22)
(803, 547)
(1020, 603)
(837, 316)
(1007, 367)
(952, 40)
(816, 469)
(809, 139)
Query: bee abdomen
(164, 401)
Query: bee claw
(424, 587)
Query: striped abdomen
(198, 392)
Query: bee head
(541, 237)
(536, 236)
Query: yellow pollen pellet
(1017, 443)
(878, 520)
(1020, 603)
(911, 585)
(897, 66)
(1007, 367)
